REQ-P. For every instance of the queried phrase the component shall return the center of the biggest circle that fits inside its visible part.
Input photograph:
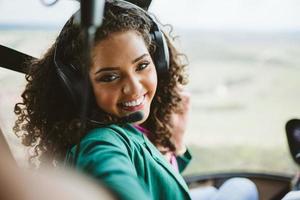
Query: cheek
(106, 98)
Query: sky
(186, 14)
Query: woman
(125, 78)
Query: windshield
(244, 71)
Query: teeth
(135, 102)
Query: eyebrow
(117, 68)
(139, 58)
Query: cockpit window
(244, 80)
(29, 26)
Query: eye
(142, 66)
(108, 78)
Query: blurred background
(244, 70)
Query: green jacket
(128, 164)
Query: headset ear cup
(74, 86)
(70, 78)
(161, 55)
(71, 83)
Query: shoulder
(111, 132)
(108, 137)
(112, 135)
(110, 140)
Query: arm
(179, 162)
(179, 123)
(183, 160)
(182, 157)
(20, 184)
(11, 178)
(107, 159)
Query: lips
(133, 105)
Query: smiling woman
(125, 77)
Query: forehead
(119, 47)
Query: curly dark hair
(47, 121)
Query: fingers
(186, 99)
(184, 106)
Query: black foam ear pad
(71, 79)
(161, 54)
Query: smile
(134, 105)
(136, 102)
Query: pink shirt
(172, 160)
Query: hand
(179, 122)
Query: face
(123, 75)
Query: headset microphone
(134, 117)
(293, 135)
(131, 118)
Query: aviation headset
(72, 79)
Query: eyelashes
(108, 78)
(142, 66)
(113, 76)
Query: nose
(132, 87)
